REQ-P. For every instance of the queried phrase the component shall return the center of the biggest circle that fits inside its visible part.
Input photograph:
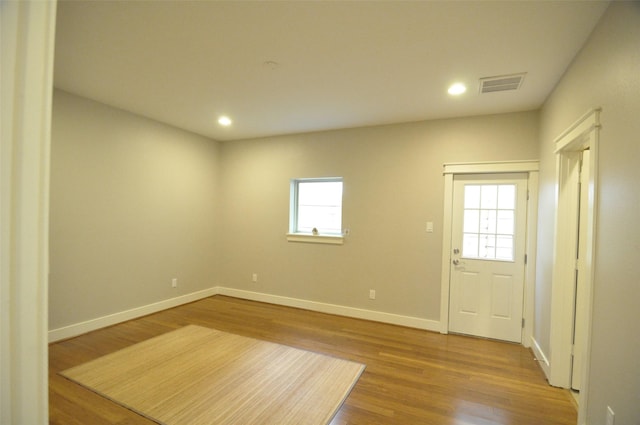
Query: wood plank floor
(412, 376)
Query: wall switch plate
(372, 294)
(254, 277)
(429, 227)
(610, 416)
(174, 282)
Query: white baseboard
(542, 359)
(358, 313)
(112, 319)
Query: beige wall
(605, 74)
(133, 204)
(393, 185)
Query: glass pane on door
(489, 221)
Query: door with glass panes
(489, 217)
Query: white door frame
(453, 169)
(581, 135)
(28, 30)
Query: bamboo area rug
(196, 375)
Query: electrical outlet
(610, 416)
(174, 282)
(372, 294)
(254, 277)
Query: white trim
(529, 167)
(580, 135)
(490, 167)
(112, 319)
(26, 70)
(540, 357)
(446, 254)
(528, 311)
(324, 239)
(340, 310)
(585, 124)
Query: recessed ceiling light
(457, 89)
(224, 121)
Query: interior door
(581, 278)
(488, 255)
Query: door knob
(456, 251)
(456, 262)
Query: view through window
(489, 221)
(317, 204)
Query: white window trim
(323, 239)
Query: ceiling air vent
(501, 83)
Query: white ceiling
(340, 63)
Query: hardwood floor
(412, 376)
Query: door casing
(452, 169)
(581, 135)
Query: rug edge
(118, 403)
(347, 392)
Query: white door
(581, 278)
(488, 255)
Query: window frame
(296, 236)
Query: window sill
(307, 238)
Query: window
(489, 221)
(316, 207)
